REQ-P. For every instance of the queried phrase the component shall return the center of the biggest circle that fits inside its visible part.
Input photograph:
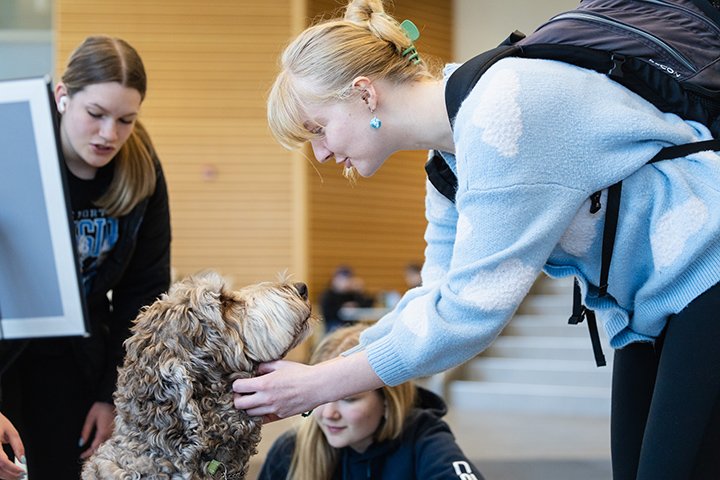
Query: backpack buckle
(618, 61)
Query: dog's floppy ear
(155, 395)
(232, 344)
(161, 367)
(177, 323)
(177, 412)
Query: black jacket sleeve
(279, 457)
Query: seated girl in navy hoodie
(388, 433)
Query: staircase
(539, 364)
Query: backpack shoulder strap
(711, 8)
(462, 80)
(459, 85)
(441, 176)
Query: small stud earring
(375, 123)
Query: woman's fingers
(277, 392)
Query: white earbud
(62, 104)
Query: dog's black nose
(301, 289)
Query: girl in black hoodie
(58, 393)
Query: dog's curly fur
(174, 399)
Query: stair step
(560, 304)
(541, 319)
(537, 372)
(539, 364)
(545, 285)
(560, 348)
(549, 325)
(568, 400)
(558, 328)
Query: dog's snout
(302, 290)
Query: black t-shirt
(96, 233)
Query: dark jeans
(666, 399)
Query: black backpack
(667, 51)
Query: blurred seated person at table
(345, 290)
(412, 275)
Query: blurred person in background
(345, 290)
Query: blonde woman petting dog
(388, 433)
(530, 144)
(58, 393)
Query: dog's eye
(301, 289)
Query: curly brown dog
(175, 417)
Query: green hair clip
(413, 34)
(410, 30)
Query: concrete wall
(482, 24)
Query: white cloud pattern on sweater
(415, 318)
(432, 274)
(674, 229)
(498, 113)
(500, 289)
(464, 229)
(580, 235)
(438, 206)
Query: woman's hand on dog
(101, 419)
(265, 395)
(283, 388)
(9, 435)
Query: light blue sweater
(533, 140)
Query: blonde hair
(320, 64)
(101, 59)
(313, 457)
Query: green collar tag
(213, 467)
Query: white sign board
(40, 293)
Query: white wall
(25, 53)
(26, 41)
(483, 24)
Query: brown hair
(101, 59)
(313, 457)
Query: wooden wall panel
(235, 198)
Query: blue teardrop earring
(375, 122)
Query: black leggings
(47, 399)
(666, 399)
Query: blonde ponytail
(321, 63)
(371, 14)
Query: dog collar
(214, 465)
